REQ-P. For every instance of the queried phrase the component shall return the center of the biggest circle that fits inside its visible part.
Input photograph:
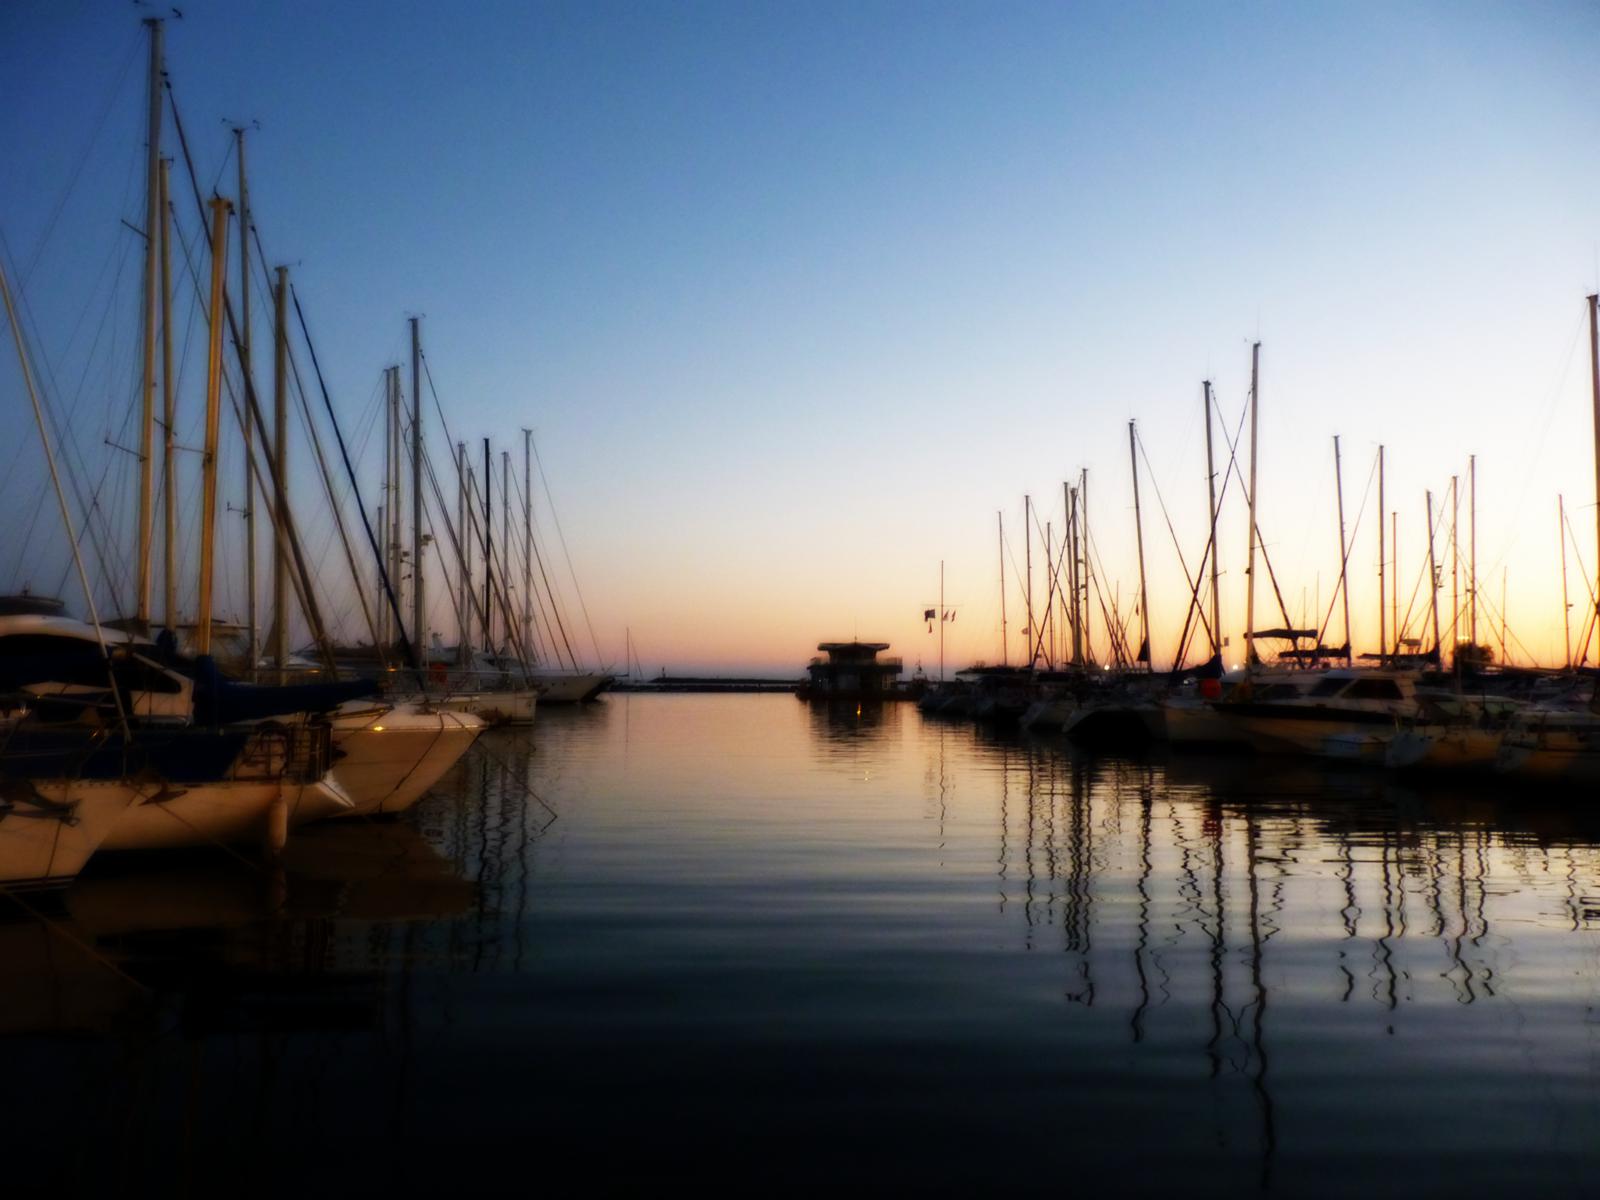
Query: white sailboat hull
(562, 687)
(46, 844)
(1350, 740)
(1197, 723)
(492, 708)
(1441, 748)
(1569, 755)
(387, 761)
(227, 812)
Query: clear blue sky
(798, 295)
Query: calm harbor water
(741, 942)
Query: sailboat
(1555, 743)
(555, 685)
(129, 743)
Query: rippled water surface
(743, 943)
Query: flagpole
(941, 620)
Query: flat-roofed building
(851, 670)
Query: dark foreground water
(766, 947)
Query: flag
(928, 616)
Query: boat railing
(299, 753)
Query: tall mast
(383, 567)
(1250, 560)
(1472, 543)
(1086, 607)
(1455, 580)
(508, 614)
(1138, 530)
(1383, 595)
(1433, 578)
(1394, 541)
(470, 544)
(1566, 608)
(252, 630)
(463, 582)
(280, 455)
(1069, 496)
(1000, 517)
(208, 504)
(1027, 542)
(488, 549)
(941, 620)
(55, 486)
(147, 389)
(419, 609)
(391, 484)
(527, 541)
(1594, 384)
(169, 480)
(1344, 553)
(1211, 508)
(1051, 566)
(1505, 575)
(388, 525)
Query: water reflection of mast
(1258, 1020)
(1382, 950)
(1350, 914)
(1146, 790)
(1052, 794)
(1027, 848)
(1078, 906)
(1481, 893)
(1005, 819)
(1213, 827)
(524, 869)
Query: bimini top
(25, 604)
(43, 624)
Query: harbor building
(851, 671)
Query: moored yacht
(1452, 733)
(279, 780)
(1192, 719)
(387, 757)
(1552, 744)
(568, 687)
(50, 827)
(1348, 713)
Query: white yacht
(1348, 713)
(1191, 716)
(569, 687)
(1552, 744)
(50, 827)
(387, 757)
(1452, 733)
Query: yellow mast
(169, 479)
(220, 208)
(147, 387)
(280, 454)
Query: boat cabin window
(1374, 689)
(1279, 691)
(1329, 687)
(39, 658)
(32, 658)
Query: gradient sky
(798, 296)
